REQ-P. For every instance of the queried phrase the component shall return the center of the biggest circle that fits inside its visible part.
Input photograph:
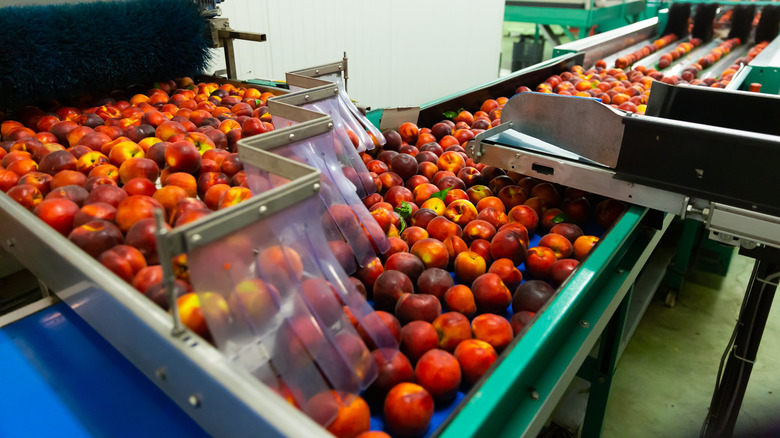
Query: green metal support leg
(675, 274)
(599, 371)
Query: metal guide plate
(582, 126)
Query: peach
(393, 368)
(439, 372)
(123, 260)
(493, 329)
(406, 263)
(570, 231)
(508, 244)
(451, 161)
(478, 192)
(408, 409)
(519, 320)
(133, 209)
(368, 274)
(139, 186)
(453, 328)
(512, 195)
(441, 228)
(27, 195)
(89, 161)
(479, 229)
(525, 215)
(58, 213)
(97, 210)
(138, 168)
(508, 272)
(482, 247)
(434, 204)
(96, 236)
(491, 201)
(417, 307)
(388, 288)
(233, 196)
(434, 281)
(417, 337)
(409, 132)
(494, 217)
(461, 212)
(41, 181)
(561, 270)
(469, 265)
(432, 252)
(583, 245)
(531, 296)
(123, 151)
(538, 262)
(475, 358)
(455, 245)
(559, 244)
(412, 235)
(183, 156)
(491, 294)
(459, 298)
(68, 178)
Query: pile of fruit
(97, 173)
(625, 61)
(681, 49)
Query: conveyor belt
(61, 378)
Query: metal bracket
(222, 35)
(297, 77)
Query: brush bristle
(677, 23)
(769, 25)
(742, 22)
(704, 21)
(56, 51)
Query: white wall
(401, 52)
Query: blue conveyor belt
(61, 378)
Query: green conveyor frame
(583, 17)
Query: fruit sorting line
(516, 398)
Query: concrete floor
(665, 378)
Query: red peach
(475, 358)
(491, 294)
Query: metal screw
(262, 209)
(534, 394)
(330, 125)
(195, 238)
(317, 71)
(584, 323)
(10, 243)
(316, 186)
(725, 237)
(621, 271)
(336, 90)
(161, 373)
(479, 154)
(291, 137)
(194, 401)
(306, 97)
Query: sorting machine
(97, 332)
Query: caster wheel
(671, 298)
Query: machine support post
(602, 369)
(730, 390)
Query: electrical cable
(730, 345)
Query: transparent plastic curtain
(273, 296)
(320, 152)
(350, 107)
(364, 129)
(344, 232)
